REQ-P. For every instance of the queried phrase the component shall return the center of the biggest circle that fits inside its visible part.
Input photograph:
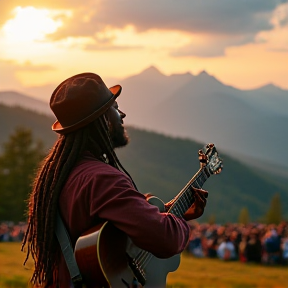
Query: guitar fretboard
(185, 197)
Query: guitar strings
(144, 257)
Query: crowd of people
(11, 232)
(258, 243)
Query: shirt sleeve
(114, 198)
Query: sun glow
(30, 24)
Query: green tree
(244, 217)
(18, 162)
(212, 219)
(274, 214)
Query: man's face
(117, 131)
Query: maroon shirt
(97, 192)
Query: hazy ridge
(250, 125)
(162, 165)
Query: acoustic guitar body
(103, 257)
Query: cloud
(205, 16)
(9, 79)
(29, 67)
(10, 73)
(109, 47)
(276, 40)
(7, 7)
(211, 46)
(228, 23)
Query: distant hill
(12, 98)
(162, 165)
(40, 124)
(269, 98)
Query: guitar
(107, 257)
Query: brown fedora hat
(79, 100)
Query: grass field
(194, 273)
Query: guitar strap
(67, 250)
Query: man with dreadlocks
(83, 179)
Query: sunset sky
(243, 43)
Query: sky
(242, 43)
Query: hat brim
(57, 127)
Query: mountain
(250, 125)
(162, 165)
(40, 124)
(141, 93)
(12, 98)
(269, 98)
(204, 109)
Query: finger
(201, 195)
(200, 199)
(204, 192)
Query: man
(83, 177)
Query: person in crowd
(242, 248)
(211, 241)
(271, 246)
(195, 244)
(284, 247)
(235, 238)
(254, 247)
(226, 250)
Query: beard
(119, 136)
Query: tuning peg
(218, 171)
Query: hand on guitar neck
(197, 208)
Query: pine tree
(212, 219)
(274, 214)
(244, 217)
(18, 162)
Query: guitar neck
(185, 197)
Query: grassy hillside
(11, 117)
(163, 165)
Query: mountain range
(249, 125)
(162, 165)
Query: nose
(122, 114)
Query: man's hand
(197, 208)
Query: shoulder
(93, 165)
(93, 169)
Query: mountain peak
(152, 70)
(270, 87)
(207, 79)
(203, 73)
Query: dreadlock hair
(40, 238)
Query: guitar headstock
(209, 158)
